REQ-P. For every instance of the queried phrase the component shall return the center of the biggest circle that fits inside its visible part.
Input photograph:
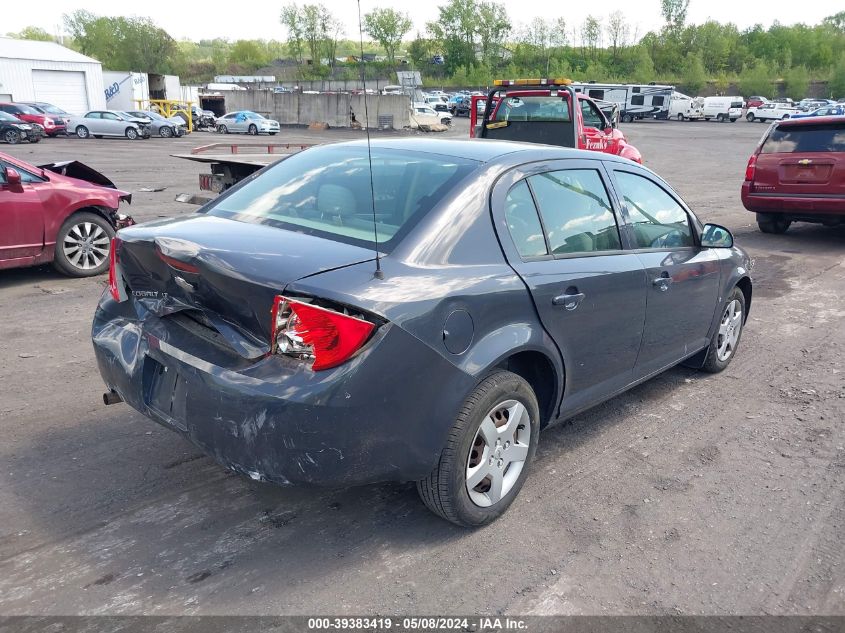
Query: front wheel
(166, 131)
(724, 344)
(131, 133)
(720, 118)
(34, 139)
(222, 129)
(82, 245)
(627, 118)
(733, 120)
(485, 460)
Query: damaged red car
(65, 213)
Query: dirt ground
(691, 494)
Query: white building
(46, 71)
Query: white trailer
(636, 101)
(123, 90)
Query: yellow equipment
(168, 108)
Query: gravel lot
(691, 494)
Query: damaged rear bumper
(369, 420)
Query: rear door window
(576, 211)
(820, 137)
(523, 222)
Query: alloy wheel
(498, 453)
(729, 329)
(86, 245)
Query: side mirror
(13, 177)
(716, 236)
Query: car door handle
(663, 282)
(569, 300)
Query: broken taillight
(751, 168)
(118, 292)
(324, 337)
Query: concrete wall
(335, 109)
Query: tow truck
(540, 111)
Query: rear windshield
(533, 109)
(823, 137)
(326, 191)
(736, 104)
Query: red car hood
(80, 171)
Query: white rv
(636, 101)
(685, 108)
(723, 108)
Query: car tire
(725, 341)
(34, 139)
(222, 129)
(627, 118)
(272, 133)
(12, 137)
(720, 118)
(770, 223)
(253, 130)
(166, 131)
(750, 117)
(488, 408)
(82, 132)
(131, 133)
(680, 117)
(733, 120)
(72, 237)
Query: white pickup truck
(771, 111)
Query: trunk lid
(223, 274)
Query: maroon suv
(53, 125)
(797, 174)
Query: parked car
(755, 102)
(828, 110)
(722, 108)
(13, 130)
(423, 114)
(99, 123)
(275, 333)
(797, 174)
(772, 111)
(160, 126)
(49, 109)
(246, 122)
(53, 125)
(65, 213)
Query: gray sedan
(159, 125)
(99, 123)
(415, 311)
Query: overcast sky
(200, 19)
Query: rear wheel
(627, 118)
(784, 117)
(487, 453)
(131, 133)
(720, 118)
(770, 223)
(723, 347)
(82, 245)
(749, 117)
(82, 132)
(733, 120)
(12, 137)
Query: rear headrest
(335, 200)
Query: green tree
(33, 33)
(492, 26)
(617, 32)
(455, 31)
(694, 76)
(290, 19)
(249, 54)
(797, 82)
(674, 13)
(836, 82)
(756, 79)
(643, 70)
(387, 27)
(421, 51)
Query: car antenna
(379, 272)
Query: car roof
(483, 150)
(816, 120)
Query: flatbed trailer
(232, 162)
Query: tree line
(473, 41)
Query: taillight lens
(751, 167)
(325, 337)
(115, 281)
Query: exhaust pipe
(111, 397)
